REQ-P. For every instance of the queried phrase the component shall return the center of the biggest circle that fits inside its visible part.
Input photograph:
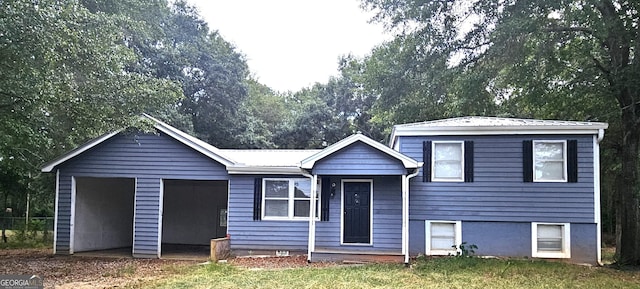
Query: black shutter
(325, 197)
(426, 158)
(527, 161)
(468, 161)
(572, 161)
(257, 199)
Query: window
(286, 199)
(549, 161)
(448, 161)
(442, 237)
(550, 240)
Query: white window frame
(433, 162)
(566, 242)
(290, 200)
(458, 237)
(564, 161)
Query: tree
(584, 50)
(173, 42)
(62, 82)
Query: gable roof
(482, 125)
(184, 138)
(406, 161)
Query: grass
(424, 273)
(21, 240)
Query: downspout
(312, 214)
(405, 212)
(596, 193)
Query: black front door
(357, 212)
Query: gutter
(405, 217)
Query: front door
(357, 212)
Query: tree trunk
(628, 212)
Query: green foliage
(21, 239)
(465, 250)
(63, 80)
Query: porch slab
(352, 256)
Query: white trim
(465, 131)
(160, 213)
(433, 162)
(48, 167)
(186, 139)
(135, 202)
(408, 162)
(370, 181)
(596, 197)
(458, 237)
(312, 217)
(56, 212)
(566, 241)
(290, 200)
(565, 177)
(73, 214)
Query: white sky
(291, 44)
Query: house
(512, 187)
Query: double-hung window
(448, 161)
(286, 199)
(551, 240)
(550, 161)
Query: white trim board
(56, 212)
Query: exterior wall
(359, 159)
(498, 192)
(511, 239)
(387, 218)
(147, 157)
(500, 202)
(249, 234)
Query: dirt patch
(103, 272)
(86, 272)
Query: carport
(194, 212)
(140, 193)
(103, 213)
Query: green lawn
(434, 273)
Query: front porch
(364, 213)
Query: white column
(312, 217)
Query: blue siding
(359, 159)
(387, 218)
(146, 157)
(498, 192)
(247, 234)
(511, 239)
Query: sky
(291, 44)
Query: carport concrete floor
(169, 251)
(185, 252)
